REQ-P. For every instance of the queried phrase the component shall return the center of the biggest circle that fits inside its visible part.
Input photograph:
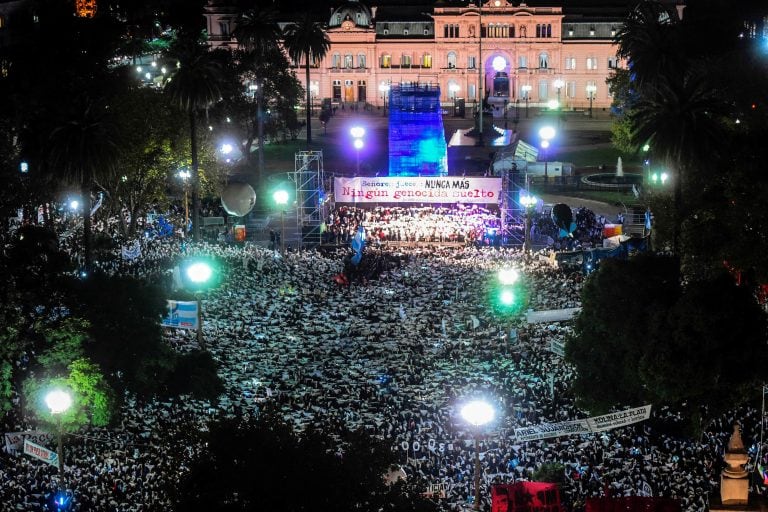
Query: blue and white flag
(181, 315)
(98, 204)
(131, 252)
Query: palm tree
(677, 111)
(258, 33)
(306, 39)
(195, 85)
(83, 151)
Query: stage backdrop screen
(437, 189)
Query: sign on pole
(40, 453)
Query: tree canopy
(642, 336)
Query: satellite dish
(238, 199)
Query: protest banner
(181, 315)
(433, 189)
(40, 453)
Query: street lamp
(58, 401)
(357, 133)
(281, 199)
(591, 89)
(199, 273)
(314, 90)
(526, 94)
(384, 90)
(558, 86)
(528, 202)
(546, 133)
(184, 174)
(477, 413)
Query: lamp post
(454, 89)
(199, 274)
(546, 133)
(526, 94)
(184, 174)
(384, 90)
(528, 201)
(647, 162)
(281, 199)
(477, 414)
(357, 133)
(313, 92)
(591, 89)
(254, 93)
(58, 401)
(558, 86)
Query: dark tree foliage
(619, 303)
(642, 337)
(263, 464)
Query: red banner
(525, 497)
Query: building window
(523, 31)
(451, 31)
(359, 18)
(591, 63)
(613, 63)
(592, 30)
(337, 19)
(361, 60)
(471, 62)
(570, 89)
(570, 63)
(426, 61)
(386, 61)
(522, 61)
(543, 90)
(224, 28)
(451, 59)
(361, 91)
(538, 30)
(336, 61)
(591, 85)
(543, 60)
(348, 61)
(511, 31)
(471, 91)
(452, 89)
(405, 61)
(337, 90)
(549, 30)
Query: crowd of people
(463, 224)
(395, 357)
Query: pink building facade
(508, 52)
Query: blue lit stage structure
(417, 144)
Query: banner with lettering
(584, 426)
(40, 453)
(435, 189)
(14, 441)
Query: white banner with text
(434, 189)
(584, 426)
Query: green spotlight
(199, 272)
(508, 276)
(507, 297)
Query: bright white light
(454, 88)
(184, 174)
(553, 104)
(508, 276)
(163, 70)
(528, 201)
(154, 64)
(507, 297)
(199, 272)
(138, 69)
(58, 401)
(664, 177)
(558, 84)
(226, 148)
(74, 204)
(547, 132)
(148, 76)
(24, 167)
(358, 143)
(357, 131)
(545, 144)
(499, 63)
(384, 88)
(280, 196)
(478, 413)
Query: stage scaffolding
(511, 211)
(310, 197)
